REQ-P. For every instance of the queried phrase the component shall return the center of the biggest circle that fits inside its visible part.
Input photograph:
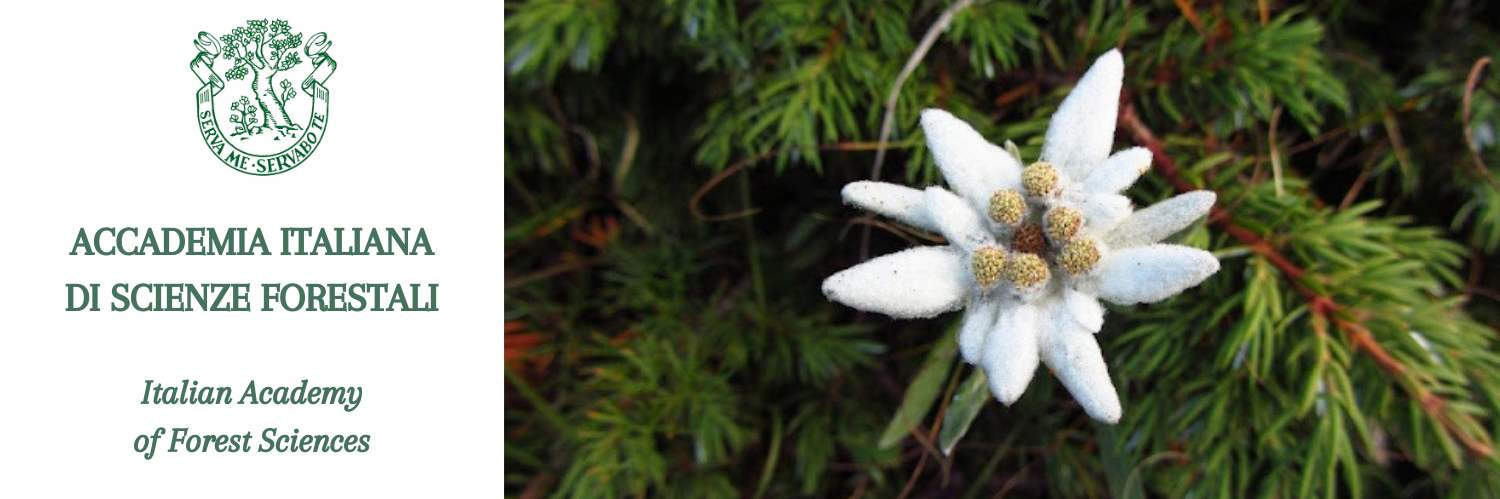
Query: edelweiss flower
(1032, 250)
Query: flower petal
(1101, 212)
(899, 202)
(956, 220)
(979, 321)
(1084, 309)
(919, 282)
(1074, 356)
(1119, 171)
(1010, 353)
(1156, 222)
(973, 167)
(1149, 274)
(1082, 131)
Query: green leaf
(970, 398)
(1116, 462)
(923, 391)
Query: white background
(97, 129)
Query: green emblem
(260, 63)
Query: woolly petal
(973, 167)
(1119, 171)
(1155, 223)
(1084, 309)
(1010, 353)
(1149, 274)
(979, 320)
(1101, 212)
(1082, 131)
(1074, 356)
(919, 282)
(956, 219)
(899, 202)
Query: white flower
(1032, 250)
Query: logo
(270, 78)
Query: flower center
(1029, 239)
(1007, 207)
(1026, 270)
(989, 263)
(1039, 179)
(1079, 256)
(1043, 240)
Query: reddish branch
(1344, 318)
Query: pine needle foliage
(672, 179)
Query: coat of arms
(262, 108)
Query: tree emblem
(261, 66)
(261, 51)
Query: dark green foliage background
(688, 356)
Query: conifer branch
(1323, 305)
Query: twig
(928, 40)
(1359, 183)
(1485, 292)
(915, 473)
(622, 171)
(1191, 15)
(1321, 304)
(741, 164)
(926, 441)
(1356, 122)
(1476, 271)
(627, 156)
(633, 214)
(591, 152)
(1135, 473)
(713, 182)
(555, 107)
(1398, 145)
(552, 271)
(859, 487)
(1469, 85)
(1012, 482)
(872, 221)
(1275, 154)
(944, 464)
